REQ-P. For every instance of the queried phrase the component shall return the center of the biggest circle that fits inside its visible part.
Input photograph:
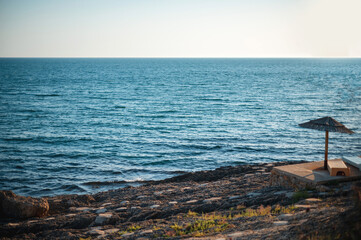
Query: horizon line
(155, 57)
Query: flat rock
(124, 202)
(13, 224)
(285, 216)
(103, 218)
(304, 206)
(70, 215)
(96, 232)
(155, 206)
(84, 209)
(112, 230)
(172, 202)
(253, 194)
(32, 221)
(235, 235)
(280, 192)
(191, 201)
(212, 199)
(121, 209)
(313, 200)
(203, 185)
(280, 223)
(149, 231)
(101, 210)
(106, 204)
(127, 234)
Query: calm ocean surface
(88, 125)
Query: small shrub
(155, 228)
(130, 229)
(281, 209)
(201, 225)
(191, 214)
(133, 228)
(297, 196)
(249, 212)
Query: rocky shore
(226, 203)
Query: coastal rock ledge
(14, 206)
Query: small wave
(189, 146)
(48, 95)
(55, 155)
(58, 140)
(141, 170)
(52, 169)
(153, 127)
(168, 111)
(64, 155)
(119, 106)
(253, 149)
(160, 162)
(151, 116)
(29, 111)
(72, 187)
(116, 182)
(203, 147)
(212, 99)
(18, 139)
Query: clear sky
(183, 28)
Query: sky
(182, 28)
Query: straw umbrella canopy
(327, 124)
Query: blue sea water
(88, 125)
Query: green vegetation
(282, 210)
(200, 225)
(133, 228)
(191, 214)
(249, 212)
(130, 229)
(297, 196)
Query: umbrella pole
(326, 150)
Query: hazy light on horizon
(260, 28)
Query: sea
(85, 125)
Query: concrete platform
(313, 173)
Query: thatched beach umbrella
(327, 124)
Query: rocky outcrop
(14, 206)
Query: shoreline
(229, 202)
